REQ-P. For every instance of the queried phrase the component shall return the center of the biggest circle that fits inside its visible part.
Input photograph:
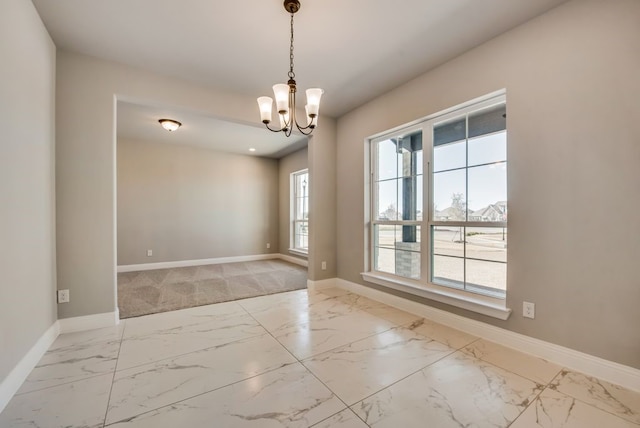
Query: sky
(487, 172)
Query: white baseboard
(291, 259)
(12, 383)
(322, 284)
(600, 368)
(202, 262)
(89, 322)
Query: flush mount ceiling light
(170, 124)
(285, 94)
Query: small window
(398, 200)
(469, 213)
(300, 211)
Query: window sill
(299, 253)
(489, 306)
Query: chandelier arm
(305, 127)
(302, 130)
(271, 129)
(287, 129)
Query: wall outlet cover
(63, 296)
(528, 310)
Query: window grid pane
(300, 198)
(397, 249)
(398, 167)
(470, 185)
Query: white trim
(295, 260)
(322, 284)
(12, 383)
(298, 252)
(616, 373)
(89, 322)
(485, 305)
(476, 101)
(201, 262)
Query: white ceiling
(140, 122)
(355, 50)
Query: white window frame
(487, 305)
(374, 196)
(294, 212)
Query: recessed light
(252, 149)
(170, 124)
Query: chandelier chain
(292, 75)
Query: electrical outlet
(63, 296)
(528, 310)
(324, 266)
(149, 253)
(268, 245)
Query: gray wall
(296, 161)
(27, 197)
(322, 202)
(86, 169)
(188, 203)
(572, 84)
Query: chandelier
(285, 95)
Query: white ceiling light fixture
(170, 124)
(285, 94)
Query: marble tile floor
(304, 359)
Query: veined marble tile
(297, 298)
(553, 409)
(451, 337)
(317, 336)
(89, 337)
(160, 336)
(149, 324)
(533, 368)
(458, 390)
(262, 303)
(344, 419)
(290, 396)
(279, 313)
(151, 386)
(376, 308)
(396, 316)
(357, 370)
(603, 395)
(75, 356)
(77, 404)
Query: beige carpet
(152, 291)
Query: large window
(300, 211)
(460, 240)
